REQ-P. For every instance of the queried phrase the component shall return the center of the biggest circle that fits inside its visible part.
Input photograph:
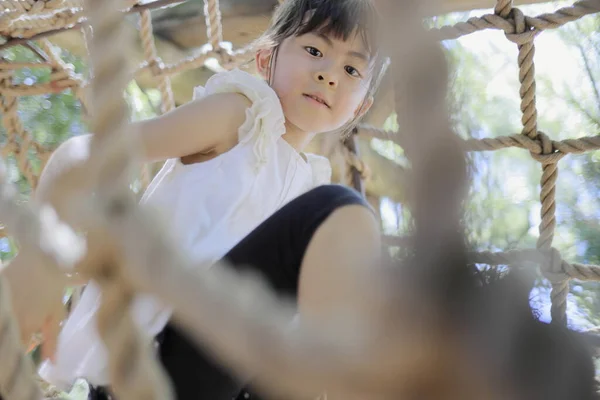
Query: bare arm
(208, 123)
(211, 122)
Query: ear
(364, 108)
(263, 62)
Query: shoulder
(237, 81)
(265, 104)
(264, 118)
(234, 91)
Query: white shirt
(208, 208)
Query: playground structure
(135, 374)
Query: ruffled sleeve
(265, 122)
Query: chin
(308, 120)
(312, 124)
(306, 126)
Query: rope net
(29, 22)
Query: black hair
(338, 19)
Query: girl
(236, 185)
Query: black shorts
(275, 250)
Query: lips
(318, 99)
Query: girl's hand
(36, 298)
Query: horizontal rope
(535, 146)
(69, 15)
(230, 59)
(31, 26)
(20, 65)
(40, 88)
(541, 22)
(554, 267)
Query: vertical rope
(16, 372)
(214, 29)
(524, 37)
(14, 129)
(133, 372)
(528, 87)
(150, 54)
(54, 57)
(560, 282)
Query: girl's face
(321, 81)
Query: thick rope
(555, 268)
(15, 12)
(39, 16)
(488, 21)
(19, 141)
(16, 371)
(498, 21)
(534, 146)
(52, 53)
(214, 29)
(524, 36)
(522, 31)
(154, 63)
(34, 25)
(234, 58)
(41, 235)
(133, 372)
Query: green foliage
(503, 209)
(50, 119)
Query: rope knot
(503, 8)
(155, 65)
(225, 56)
(523, 32)
(549, 153)
(552, 266)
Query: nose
(328, 78)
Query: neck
(297, 138)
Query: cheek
(280, 82)
(351, 100)
(286, 76)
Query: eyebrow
(352, 53)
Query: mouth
(317, 99)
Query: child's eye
(352, 71)
(313, 51)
